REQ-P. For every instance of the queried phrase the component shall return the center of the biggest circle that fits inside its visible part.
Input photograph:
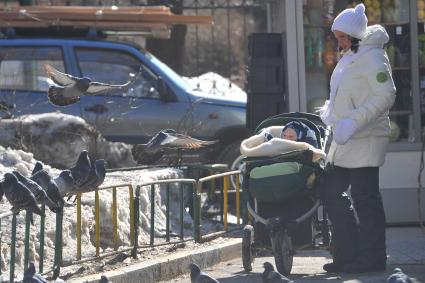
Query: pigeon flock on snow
(166, 141)
(68, 89)
(27, 193)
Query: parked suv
(159, 99)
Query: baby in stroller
(295, 131)
(280, 176)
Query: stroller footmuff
(280, 180)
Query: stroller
(284, 212)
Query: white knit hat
(352, 21)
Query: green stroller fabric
(279, 181)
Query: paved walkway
(405, 247)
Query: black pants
(365, 241)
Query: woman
(362, 92)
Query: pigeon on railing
(81, 170)
(69, 89)
(18, 195)
(38, 192)
(96, 176)
(271, 276)
(198, 276)
(166, 141)
(31, 276)
(45, 181)
(398, 276)
(65, 182)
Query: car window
(115, 67)
(22, 68)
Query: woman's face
(344, 40)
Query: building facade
(311, 56)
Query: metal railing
(226, 185)
(27, 230)
(191, 200)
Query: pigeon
(271, 276)
(31, 276)
(198, 276)
(163, 141)
(45, 181)
(64, 182)
(37, 167)
(96, 177)
(398, 277)
(81, 170)
(38, 192)
(18, 195)
(104, 279)
(68, 89)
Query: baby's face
(289, 134)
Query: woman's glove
(344, 130)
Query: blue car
(159, 98)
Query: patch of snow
(213, 85)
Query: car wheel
(229, 153)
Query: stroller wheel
(247, 248)
(283, 252)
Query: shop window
(321, 54)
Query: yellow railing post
(131, 199)
(97, 221)
(225, 201)
(78, 226)
(115, 217)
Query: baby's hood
(375, 35)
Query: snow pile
(58, 139)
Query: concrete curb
(167, 267)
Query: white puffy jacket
(365, 94)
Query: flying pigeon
(64, 182)
(398, 277)
(45, 181)
(69, 89)
(31, 276)
(37, 167)
(104, 279)
(163, 141)
(271, 276)
(19, 196)
(81, 170)
(38, 192)
(198, 276)
(96, 176)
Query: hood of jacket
(375, 35)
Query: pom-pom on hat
(352, 21)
